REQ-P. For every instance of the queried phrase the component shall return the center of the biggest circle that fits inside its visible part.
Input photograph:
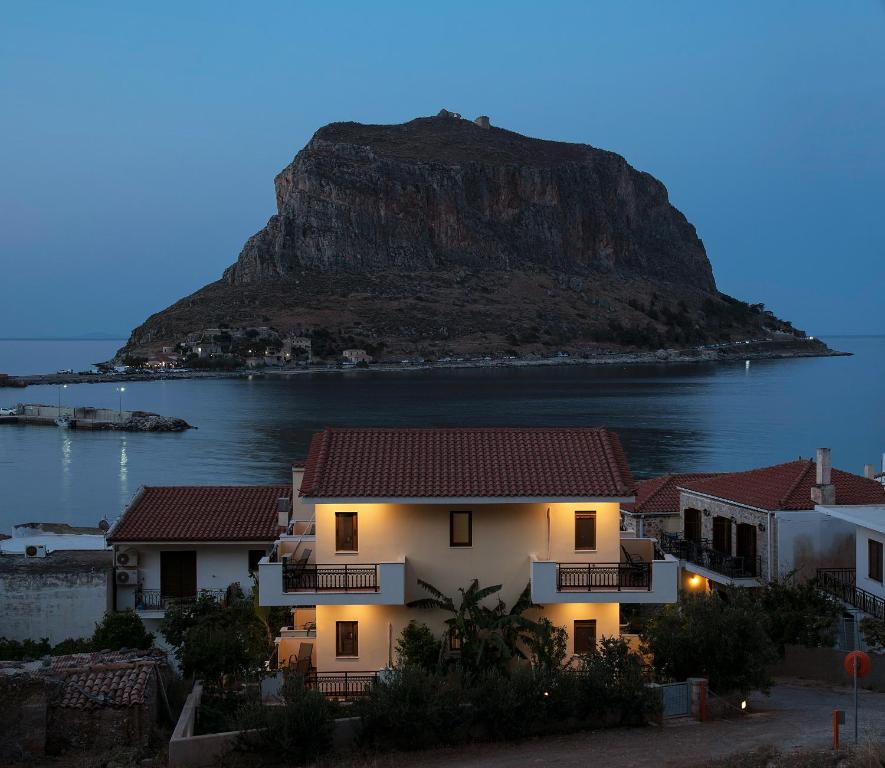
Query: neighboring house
(354, 356)
(657, 504)
(175, 543)
(55, 581)
(379, 509)
(746, 528)
(861, 586)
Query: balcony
(633, 580)
(153, 601)
(301, 584)
(842, 583)
(713, 563)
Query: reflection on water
(670, 418)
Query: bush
(298, 731)
(417, 647)
(505, 708)
(411, 709)
(121, 630)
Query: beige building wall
(505, 538)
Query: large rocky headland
(445, 236)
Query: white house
(175, 543)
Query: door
(692, 530)
(178, 574)
(746, 547)
(722, 535)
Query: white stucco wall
(808, 540)
(863, 566)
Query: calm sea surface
(711, 416)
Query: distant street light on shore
(63, 386)
(121, 390)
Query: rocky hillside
(445, 236)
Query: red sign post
(857, 664)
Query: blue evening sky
(140, 140)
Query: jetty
(92, 419)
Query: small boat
(64, 421)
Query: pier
(92, 419)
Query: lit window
(461, 529)
(585, 530)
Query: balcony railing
(842, 583)
(155, 600)
(703, 554)
(341, 685)
(602, 577)
(330, 578)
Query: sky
(139, 141)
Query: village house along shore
(762, 349)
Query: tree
(417, 647)
(548, 645)
(121, 630)
(799, 614)
(873, 632)
(724, 638)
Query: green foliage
(490, 637)
(212, 638)
(547, 645)
(417, 647)
(298, 731)
(799, 614)
(724, 638)
(504, 708)
(123, 629)
(873, 632)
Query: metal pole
(855, 699)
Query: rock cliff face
(440, 236)
(442, 193)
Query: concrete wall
(808, 540)
(862, 558)
(825, 664)
(57, 597)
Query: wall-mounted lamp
(761, 526)
(706, 513)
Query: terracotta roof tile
(466, 462)
(787, 487)
(660, 495)
(202, 513)
(105, 679)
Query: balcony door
(746, 546)
(178, 573)
(692, 531)
(722, 535)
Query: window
(874, 553)
(722, 535)
(454, 641)
(178, 573)
(346, 638)
(584, 636)
(254, 556)
(585, 530)
(692, 531)
(345, 532)
(460, 529)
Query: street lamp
(63, 386)
(121, 390)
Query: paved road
(797, 714)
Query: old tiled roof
(202, 513)
(93, 658)
(105, 679)
(466, 462)
(660, 495)
(787, 487)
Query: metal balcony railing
(341, 685)
(602, 577)
(330, 578)
(155, 600)
(842, 583)
(703, 554)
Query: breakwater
(92, 419)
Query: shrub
(411, 709)
(518, 706)
(299, 731)
(547, 644)
(417, 647)
(799, 614)
(121, 630)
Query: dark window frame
(254, 555)
(454, 641)
(586, 514)
(355, 645)
(874, 561)
(692, 524)
(452, 513)
(354, 516)
(584, 623)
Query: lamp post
(61, 387)
(121, 390)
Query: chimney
(283, 512)
(824, 492)
(869, 471)
(483, 121)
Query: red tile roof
(787, 487)
(202, 513)
(466, 463)
(94, 680)
(660, 495)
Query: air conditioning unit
(126, 577)
(35, 550)
(127, 558)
